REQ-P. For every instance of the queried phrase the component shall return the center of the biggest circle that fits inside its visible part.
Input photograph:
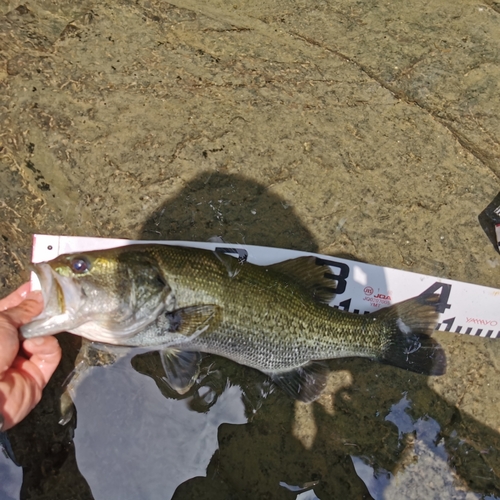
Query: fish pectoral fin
(181, 368)
(305, 383)
(192, 321)
(311, 275)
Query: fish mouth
(62, 298)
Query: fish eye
(79, 265)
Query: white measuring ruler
(360, 288)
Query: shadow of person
(261, 458)
(232, 207)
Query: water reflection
(216, 376)
(373, 453)
(131, 442)
(423, 466)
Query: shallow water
(235, 436)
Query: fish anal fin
(305, 383)
(181, 368)
(310, 275)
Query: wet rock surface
(352, 128)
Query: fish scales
(268, 321)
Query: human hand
(24, 370)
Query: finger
(10, 321)
(16, 297)
(25, 311)
(21, 386)
(45, 354)
(9, 342)
(19, 393)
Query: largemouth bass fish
(275, 318)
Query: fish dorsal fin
(309, 274)
(232, 259)
(216, 239)
(181, 368)
(305, 383)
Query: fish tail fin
(409, 344)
